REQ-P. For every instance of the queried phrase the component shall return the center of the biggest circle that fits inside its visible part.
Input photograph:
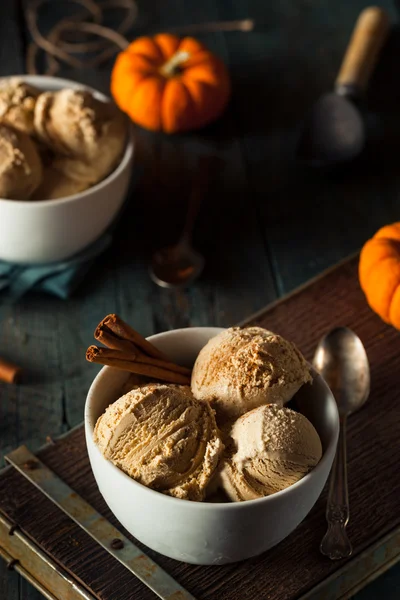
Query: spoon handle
(335, 543)
(199, 187)
(362, 52)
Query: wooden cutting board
(294, 569)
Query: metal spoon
(179, 265)
(342, 361)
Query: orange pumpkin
(379, 273)
(169, 84)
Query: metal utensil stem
(335, 543)
(199, 186)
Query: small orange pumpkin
(379, 273)
(169, 84)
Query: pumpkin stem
(173, 66)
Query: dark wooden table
(265, 227)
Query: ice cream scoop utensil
(342, 361)
(179, 265)
(334, 131)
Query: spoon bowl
(179, 265)
(343, 363)
(176, 266)
(333, 133)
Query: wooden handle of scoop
(362, 52)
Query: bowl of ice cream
(66, 157)
(157, 456)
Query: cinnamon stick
(123, 331)
(112, 358)
(8, 372)
(164, 364)
(131, 352)
(106, 337)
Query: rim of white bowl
(218, 505)
(126, 157)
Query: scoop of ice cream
(20, 164)
(17, 104)
(274, 448)
(162, 437)
(242, 368)
(88, 134)
(57, 185)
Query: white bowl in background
(202, 532)
(41, 231)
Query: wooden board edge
(351, 578)
(298, 289)
(50, 442)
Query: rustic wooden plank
(36, 404)
(11, 44)
(27, 331)
(12, 402)
(386, 586)
(383, 98)
(316, 217)
(9, 583)
(77, 320)
(373, 432)
(33, 408)
(121, 283)
(154, 218)
(11, 63)
(28, 592)
(227, 218)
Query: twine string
(93, 46)
(64, 44)
(59, 50)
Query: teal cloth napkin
(59, 279)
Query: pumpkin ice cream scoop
(87, 135)
(243, 368)
(274, 448)
(165, 83)
(17, 104)
(162, 437)
(20, 164)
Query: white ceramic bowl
(201, 532)
(44, 231)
